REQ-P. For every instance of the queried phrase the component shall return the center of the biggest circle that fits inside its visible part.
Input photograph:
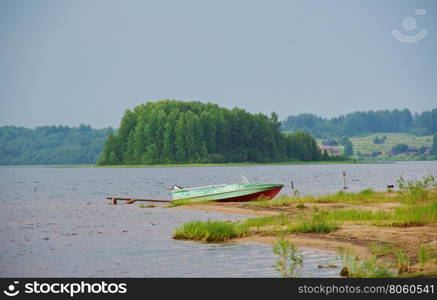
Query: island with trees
(176, 132)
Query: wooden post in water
(344, 180)
(292, 185)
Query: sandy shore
(355, 236)
(317, 241)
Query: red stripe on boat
(266, 194)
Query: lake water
(55, 222)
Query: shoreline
(316, 241)
(357, 237)
(246, 164)
(343, 162)
(292, 163)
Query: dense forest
(51, 145)
(359, 123)
(172, 131)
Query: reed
(210, 231)
(416, 190)
(380, 249)
(368, 268)
(423, 255)
(402, 261)
(289, 262)
(314, 226)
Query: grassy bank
(398, 228)
(365, 196)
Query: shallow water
(56, 221)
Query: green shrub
(416, 190)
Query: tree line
(365, 122)
(171, 131)
(51, 145)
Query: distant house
(330, 149)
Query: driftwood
(132, 200)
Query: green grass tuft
(423, 255)
(355, 268)
(315, 226)
(289, 262)
(277, 220)
(210, 231)
(414, 215)
(380, 249)
(355, 215)
(403, 216)
(402, 260)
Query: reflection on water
(56, 221)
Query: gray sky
(73, 62)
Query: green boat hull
(229, 192)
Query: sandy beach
(358, 237)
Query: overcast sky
(73, 62)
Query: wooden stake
(344, 180)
